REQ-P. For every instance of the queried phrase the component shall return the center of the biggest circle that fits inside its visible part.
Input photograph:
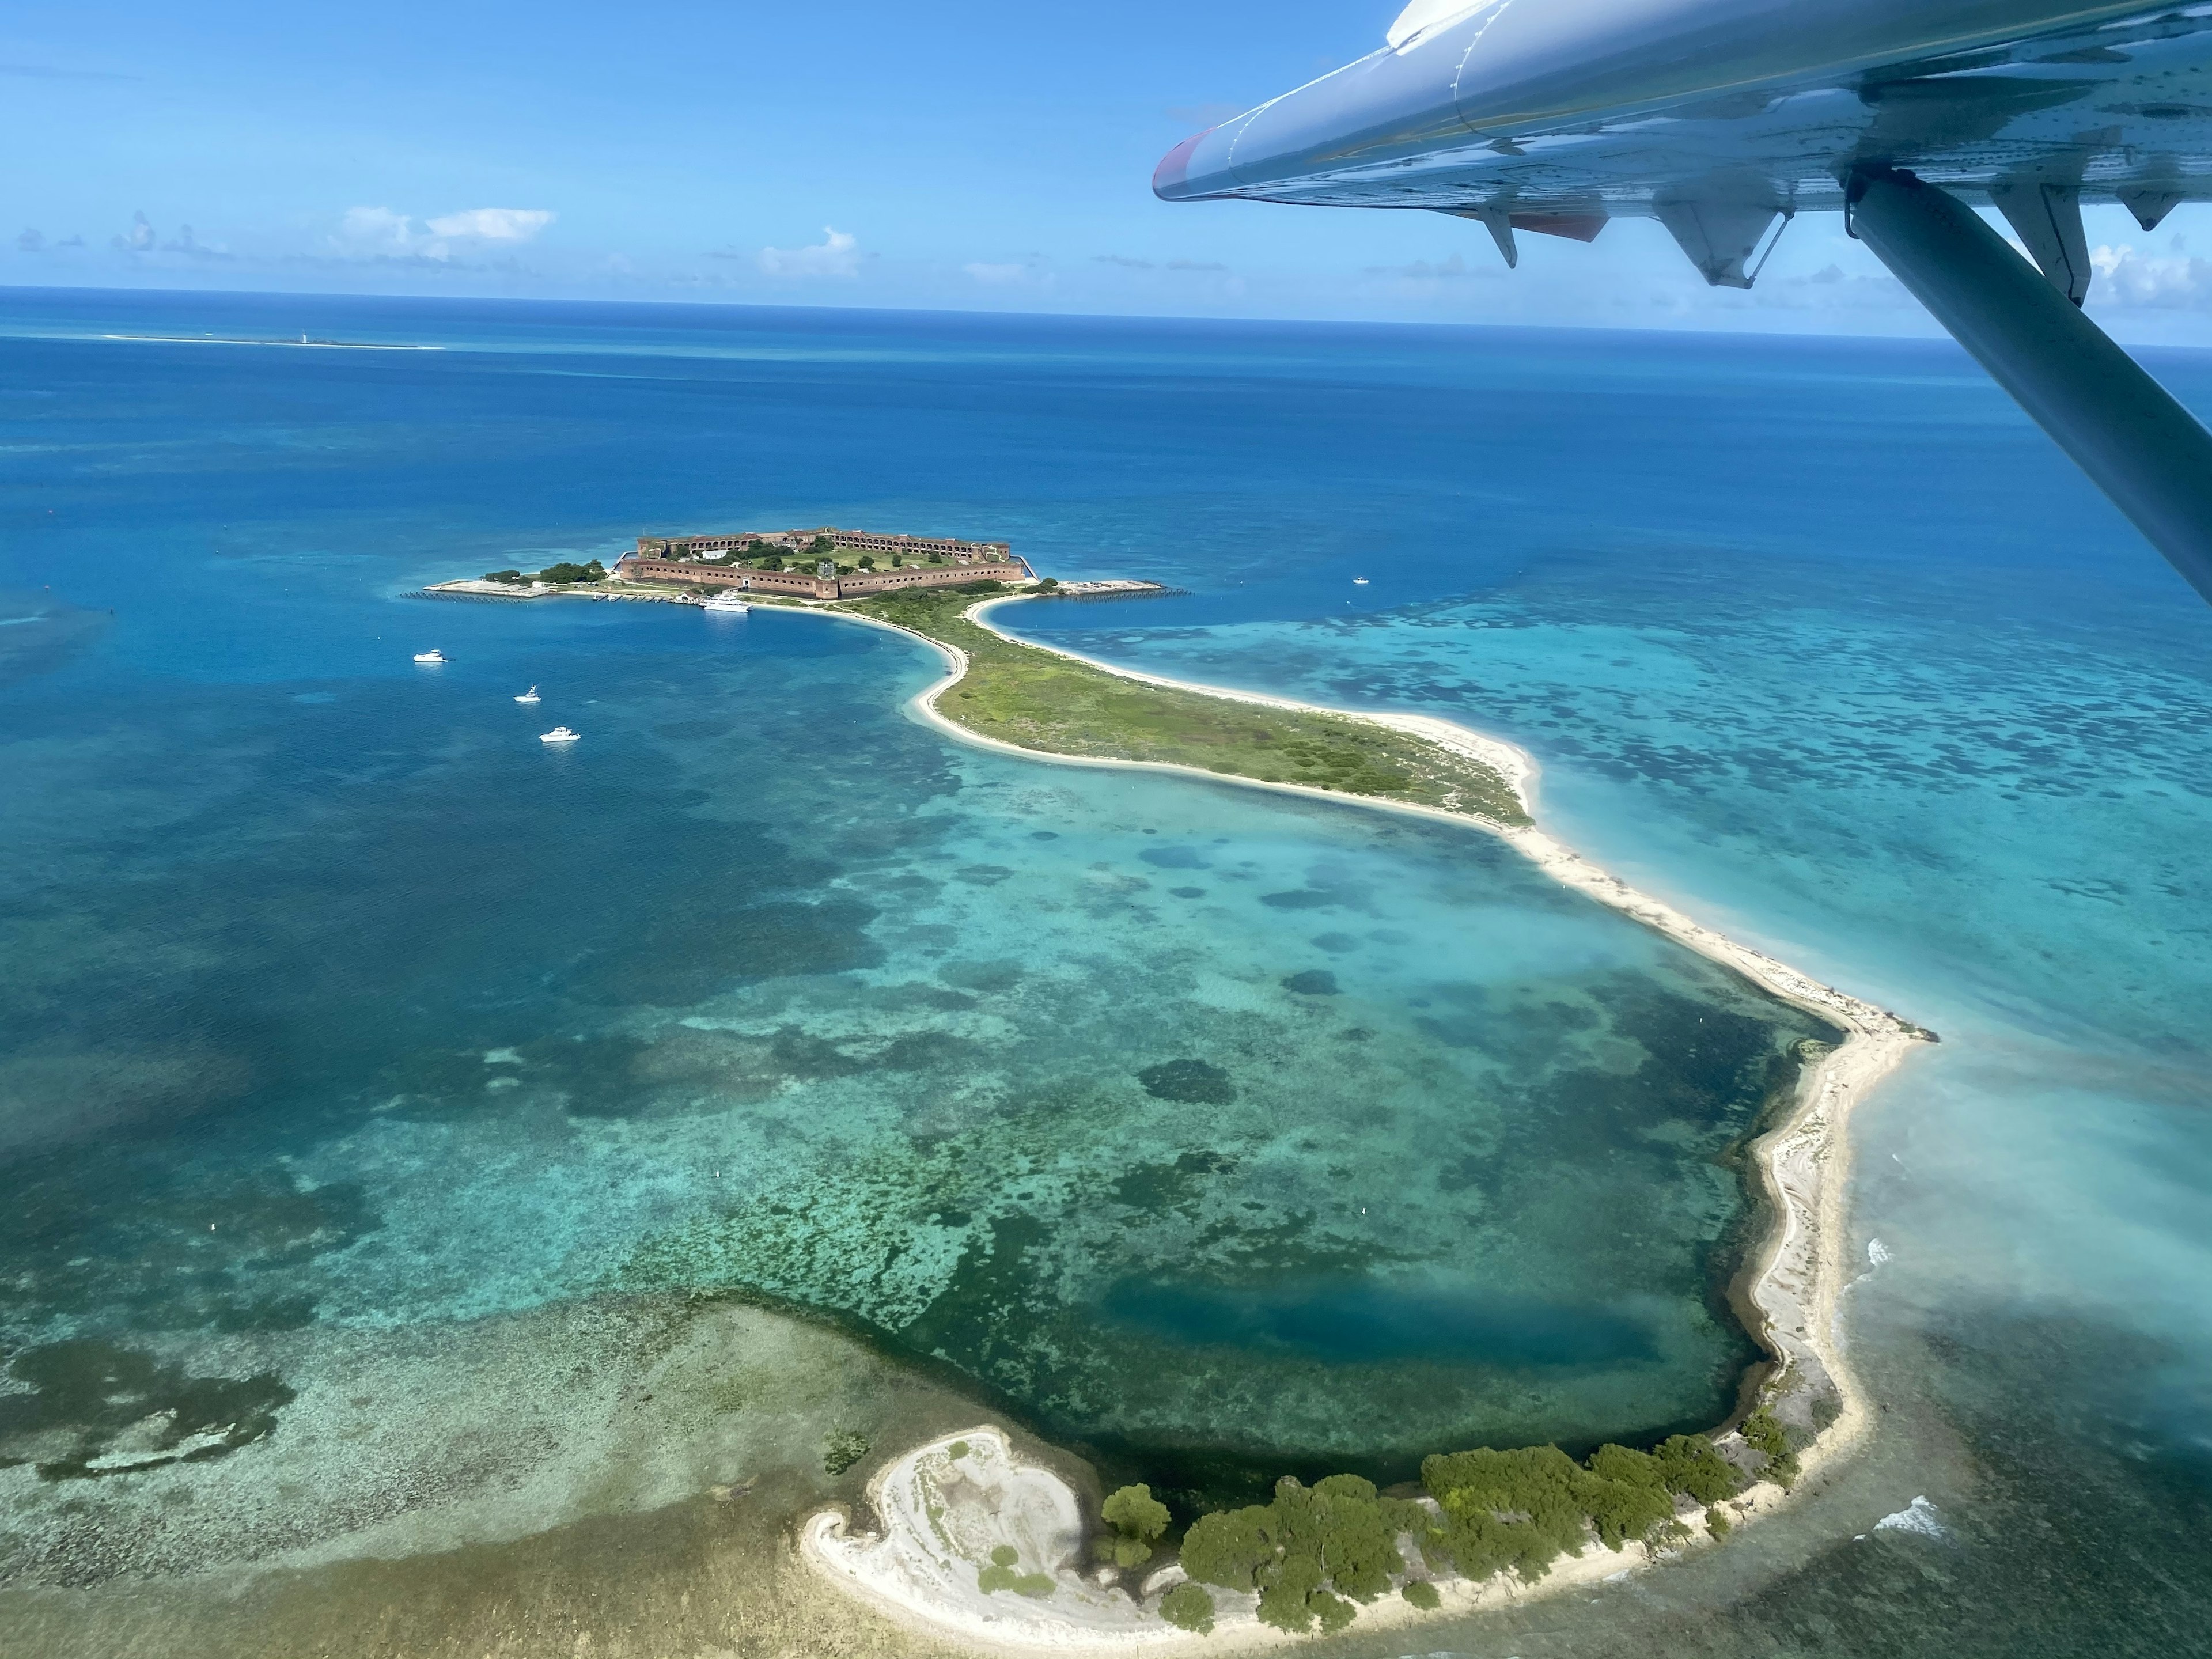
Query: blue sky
(964, 154)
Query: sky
(969, 154)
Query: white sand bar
(943, 1516)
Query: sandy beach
(1794, 1280)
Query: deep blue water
(764, 985)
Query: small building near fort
(719, 561)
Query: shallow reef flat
(618, 1475)
(1053, 1078)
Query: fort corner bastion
(808, 564)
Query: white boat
(725, 602)
(531, 696)
(560, 734)
(1359, 581)
(429, 656)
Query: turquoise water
(1208, 1130)
(1214, 1132)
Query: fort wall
(806, 585)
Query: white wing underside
(2120, 109)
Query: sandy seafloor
(298, 914)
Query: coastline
(1795, 1276)
(913, 1570)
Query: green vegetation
(512, 578)
(1003, 1574)
(958, 1448)
(1337, 1533)
(566, 572)
(1138, 1519)
(1188, 1606)
(844, 1448)
(1764, 1435)
(1039, 700)
(1717, 1523)
(1422, 1593)
(1522, 1510)
(1495, 1511)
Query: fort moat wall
(938, 560)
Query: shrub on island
(566, 572)
(1003, 1574)
(1336, 1535)
(1763, 1432)
(1422, 1593)
(1523, 1510)
(1188, 1606)
(1138, 1519)
(1495, 1511)
(512, 578)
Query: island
(966, 1538)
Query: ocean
(415, 1125)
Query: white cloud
(31, 241)
(377, 233)
(184, 242)
(491, 224)
(378, 228)
(2175, 280)
(838, 254)
(995, 275)
(141, 238)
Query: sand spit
(937, 1537)
(944, 1509)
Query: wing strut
(2138, 445)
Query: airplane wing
(1724, 118)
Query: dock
(1114, 590)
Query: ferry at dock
(725, 602)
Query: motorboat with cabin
(560, 734)
(430, 657)
(531, 696)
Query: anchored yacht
(429, 656)
(560, 734)
(531, 696)
(725, 602)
